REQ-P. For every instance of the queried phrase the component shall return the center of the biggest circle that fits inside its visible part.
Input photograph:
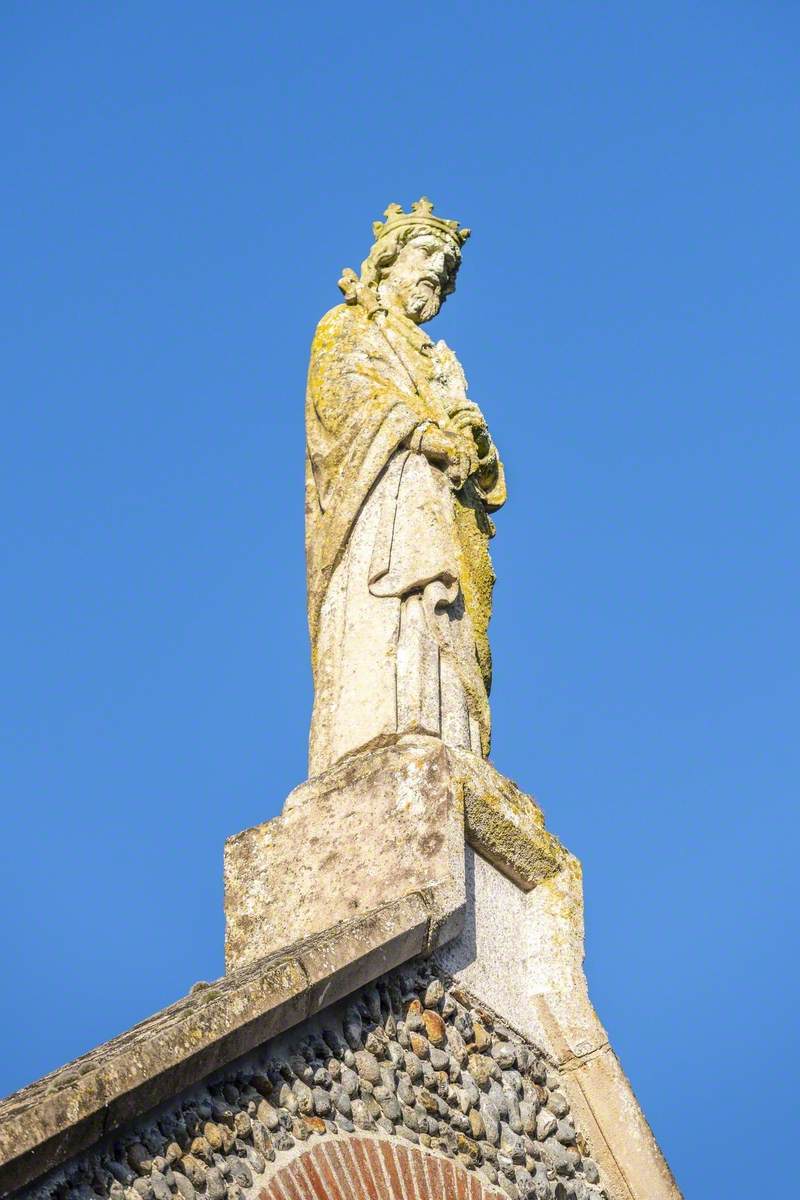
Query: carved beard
(423, 299)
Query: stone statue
(401, 476)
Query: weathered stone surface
(546, 1123)
(504, 1054)
(440, 1060)
(541, 989)
(395, 817)
(434, 996)
(401, 476)
(505, 825)
(481, 1069)
(367, 1066)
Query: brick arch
(366, 1168)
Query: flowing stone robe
(399, 574)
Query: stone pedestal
(382, 825)
(443, 832)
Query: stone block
(504, 824)
(387, 823)
(377, 827)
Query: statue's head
(414, 261)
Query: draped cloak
(398, 571)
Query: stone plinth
(419, 822)
(381, 825)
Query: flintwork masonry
(411, 1057)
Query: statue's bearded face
(420, 278)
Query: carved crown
(421, 214)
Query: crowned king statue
(401, 476)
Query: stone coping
(67, 1111)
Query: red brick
(390, 1155)
(376, 1166)
(331, 1174)
(461, 1181)
(446, 1169)
(284, 1185)
(433, 1182)
(341, 1160)
(420, 1179)
(407, 1163)
(306, 1163)
(358, 1151)
(373, 1169)
(275, 1192)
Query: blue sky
(181, 186)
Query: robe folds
(398, 570)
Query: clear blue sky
(181, 185)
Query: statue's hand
(449, 451)
(470, 420)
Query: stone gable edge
(288, 1124)
(51, 1120)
